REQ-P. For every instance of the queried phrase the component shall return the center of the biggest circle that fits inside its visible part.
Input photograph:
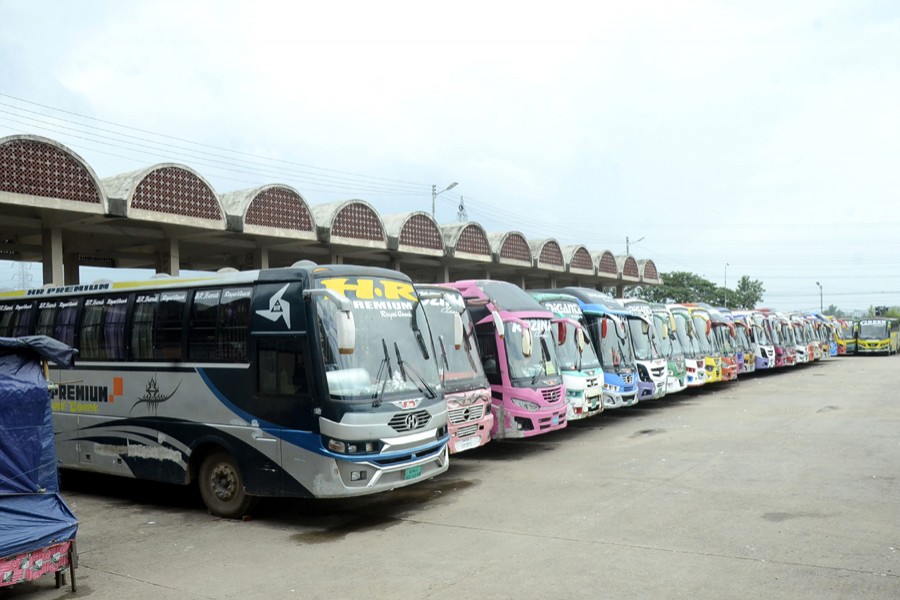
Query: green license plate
(412, 472)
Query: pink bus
(466, 388)
(518, 352)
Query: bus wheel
(222, 487)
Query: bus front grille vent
(410, 421)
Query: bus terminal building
(167, 217)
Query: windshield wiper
(444, 353)
(419, 337)
(545, 356)
(429, 391)
(384, 367)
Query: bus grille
(466, 413)
(551, 394)
(659, 371)
(628, 379)
(410, 421)
(592, 382)
(467, 430)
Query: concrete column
(553, 283)
(443, 274)
(70, 268)
(521, 282)
(487, 274)
(51, 240)
(261, 258)
(620, 290)
(336, 259)
(395, 263)
(170, 262)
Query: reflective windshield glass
(726, 342)
(660, 323)
(762, 335)
(461, 367)
(743, 342)
(684, 332)
(700, 325)
(872, 330)
(393, 353)
(569, 357)
(639, 330)
(543, 360)
(615, 349)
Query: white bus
(309, 381)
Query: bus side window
(102, 332)
(283, 387)
(487, 346)
(169, 326)
(202, 323)
(234, 324)
(18, 321)
(142, 321)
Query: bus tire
(222, 486)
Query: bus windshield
(644, 349)
(726, 342)
(700, 325)
(615, 349)
(461, 367)
(542, 361)
(665, 342)
(762, 335)
(392, 355)
(743, 342)
(872, 330)
(572, 360)
(685, 335)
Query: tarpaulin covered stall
(37, 529)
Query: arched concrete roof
(607, 265)
(467, 241)
(414, 232)
(511, 248)
(649, 274)
(275, 209)
(547, 254)
(39, 172)
(166, 193)
(350, 222)
(628, 268)
(578, 260)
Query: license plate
(468, 444)
(554, 420)
(412, 472)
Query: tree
(748, 292)
(681, 286)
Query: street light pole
(725, 294)
(629, 242)
(821, 303)
(435, 193)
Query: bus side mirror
(346, 332)
(708, 327)
(498, 324)
(604, 328)
(580, 340)
(527, 342)
(561, 331)
(457, 331)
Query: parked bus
(876, 335)
(610, 336)
(708, 346)
(743, 337)
(726, 334)
(578, 362)
(518, 353)
(760, 339)
(671, 348)
(802, 343)
(651, 364)
(694, 359)
(306, 381)
(466, 388)
(846, 336)
(788, 339)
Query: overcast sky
(760, 135)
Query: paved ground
(779, 486)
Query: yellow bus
(878, 335)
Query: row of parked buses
(872, 335)
(337, 381)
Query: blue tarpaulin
(32, 513)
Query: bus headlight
(608, 387)
(526, 404)
(344, 447)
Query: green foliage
(883, 311)
(682, 286)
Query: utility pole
(435, 193)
